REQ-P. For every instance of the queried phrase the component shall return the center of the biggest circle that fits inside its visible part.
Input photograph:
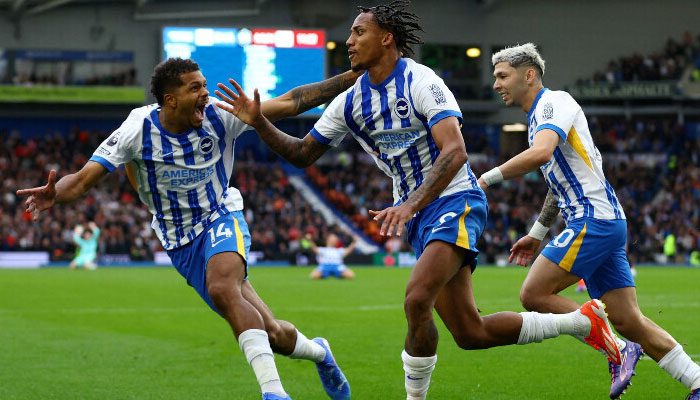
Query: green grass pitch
(141, 333)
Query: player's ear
(387, 39)
(530, 75)
(170, 100)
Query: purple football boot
(332, 378)
(272, 396)
(694, 395)
(622, 374)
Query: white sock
(306, 349)
(679, 365)
(417, 375)
(621, 344)
(255, 345)
(537, 327)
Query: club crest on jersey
(402, 108)
(437, 93)
(548, 111)
(206, 145)
(113, 139)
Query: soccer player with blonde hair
(592, 247)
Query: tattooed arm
(306, 97)
(550, 210)
(453, 155)
(525, 248)
(299, 152)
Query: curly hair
(402, 24)
(166, 76)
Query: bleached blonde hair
(525, 54)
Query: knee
(222, 293)
(417, 303)
(529, 299)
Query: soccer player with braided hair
(405, 117)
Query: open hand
(40, 198)
(523, 250)
(239, 104)
(394, 219)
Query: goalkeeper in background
(86, 239)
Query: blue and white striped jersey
(575, 172)
(330, 255)
(183, 179)
(392, 121)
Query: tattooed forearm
(550, 210)
(445, 168)
(313, 95)
(298, 152)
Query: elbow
(301, 162)
(542, 157)
(458, 156)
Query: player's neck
(170, 123)
(381, 70)
(530, 96)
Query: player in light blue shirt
(87, 240)
(180, 156)
(404, 116)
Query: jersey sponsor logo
(113, 139)
(401, 108)
(437, 93)
(103, 151)
(206, 145)
(183, 177)
(396, 140)
(548, 111)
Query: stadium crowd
(278, 216)
(665, 65)
(653, 164)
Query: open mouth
(351, 54)
(199, 112)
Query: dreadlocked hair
(402, 24)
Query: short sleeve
(232, 125)
(434, 100)
(557, 112)
(331, 128)
(121, 146)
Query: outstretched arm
(312, 244)
(543, 147)
(67, 189)
(306, 97)
(299, 152)
(351, 248)
(453, 155)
